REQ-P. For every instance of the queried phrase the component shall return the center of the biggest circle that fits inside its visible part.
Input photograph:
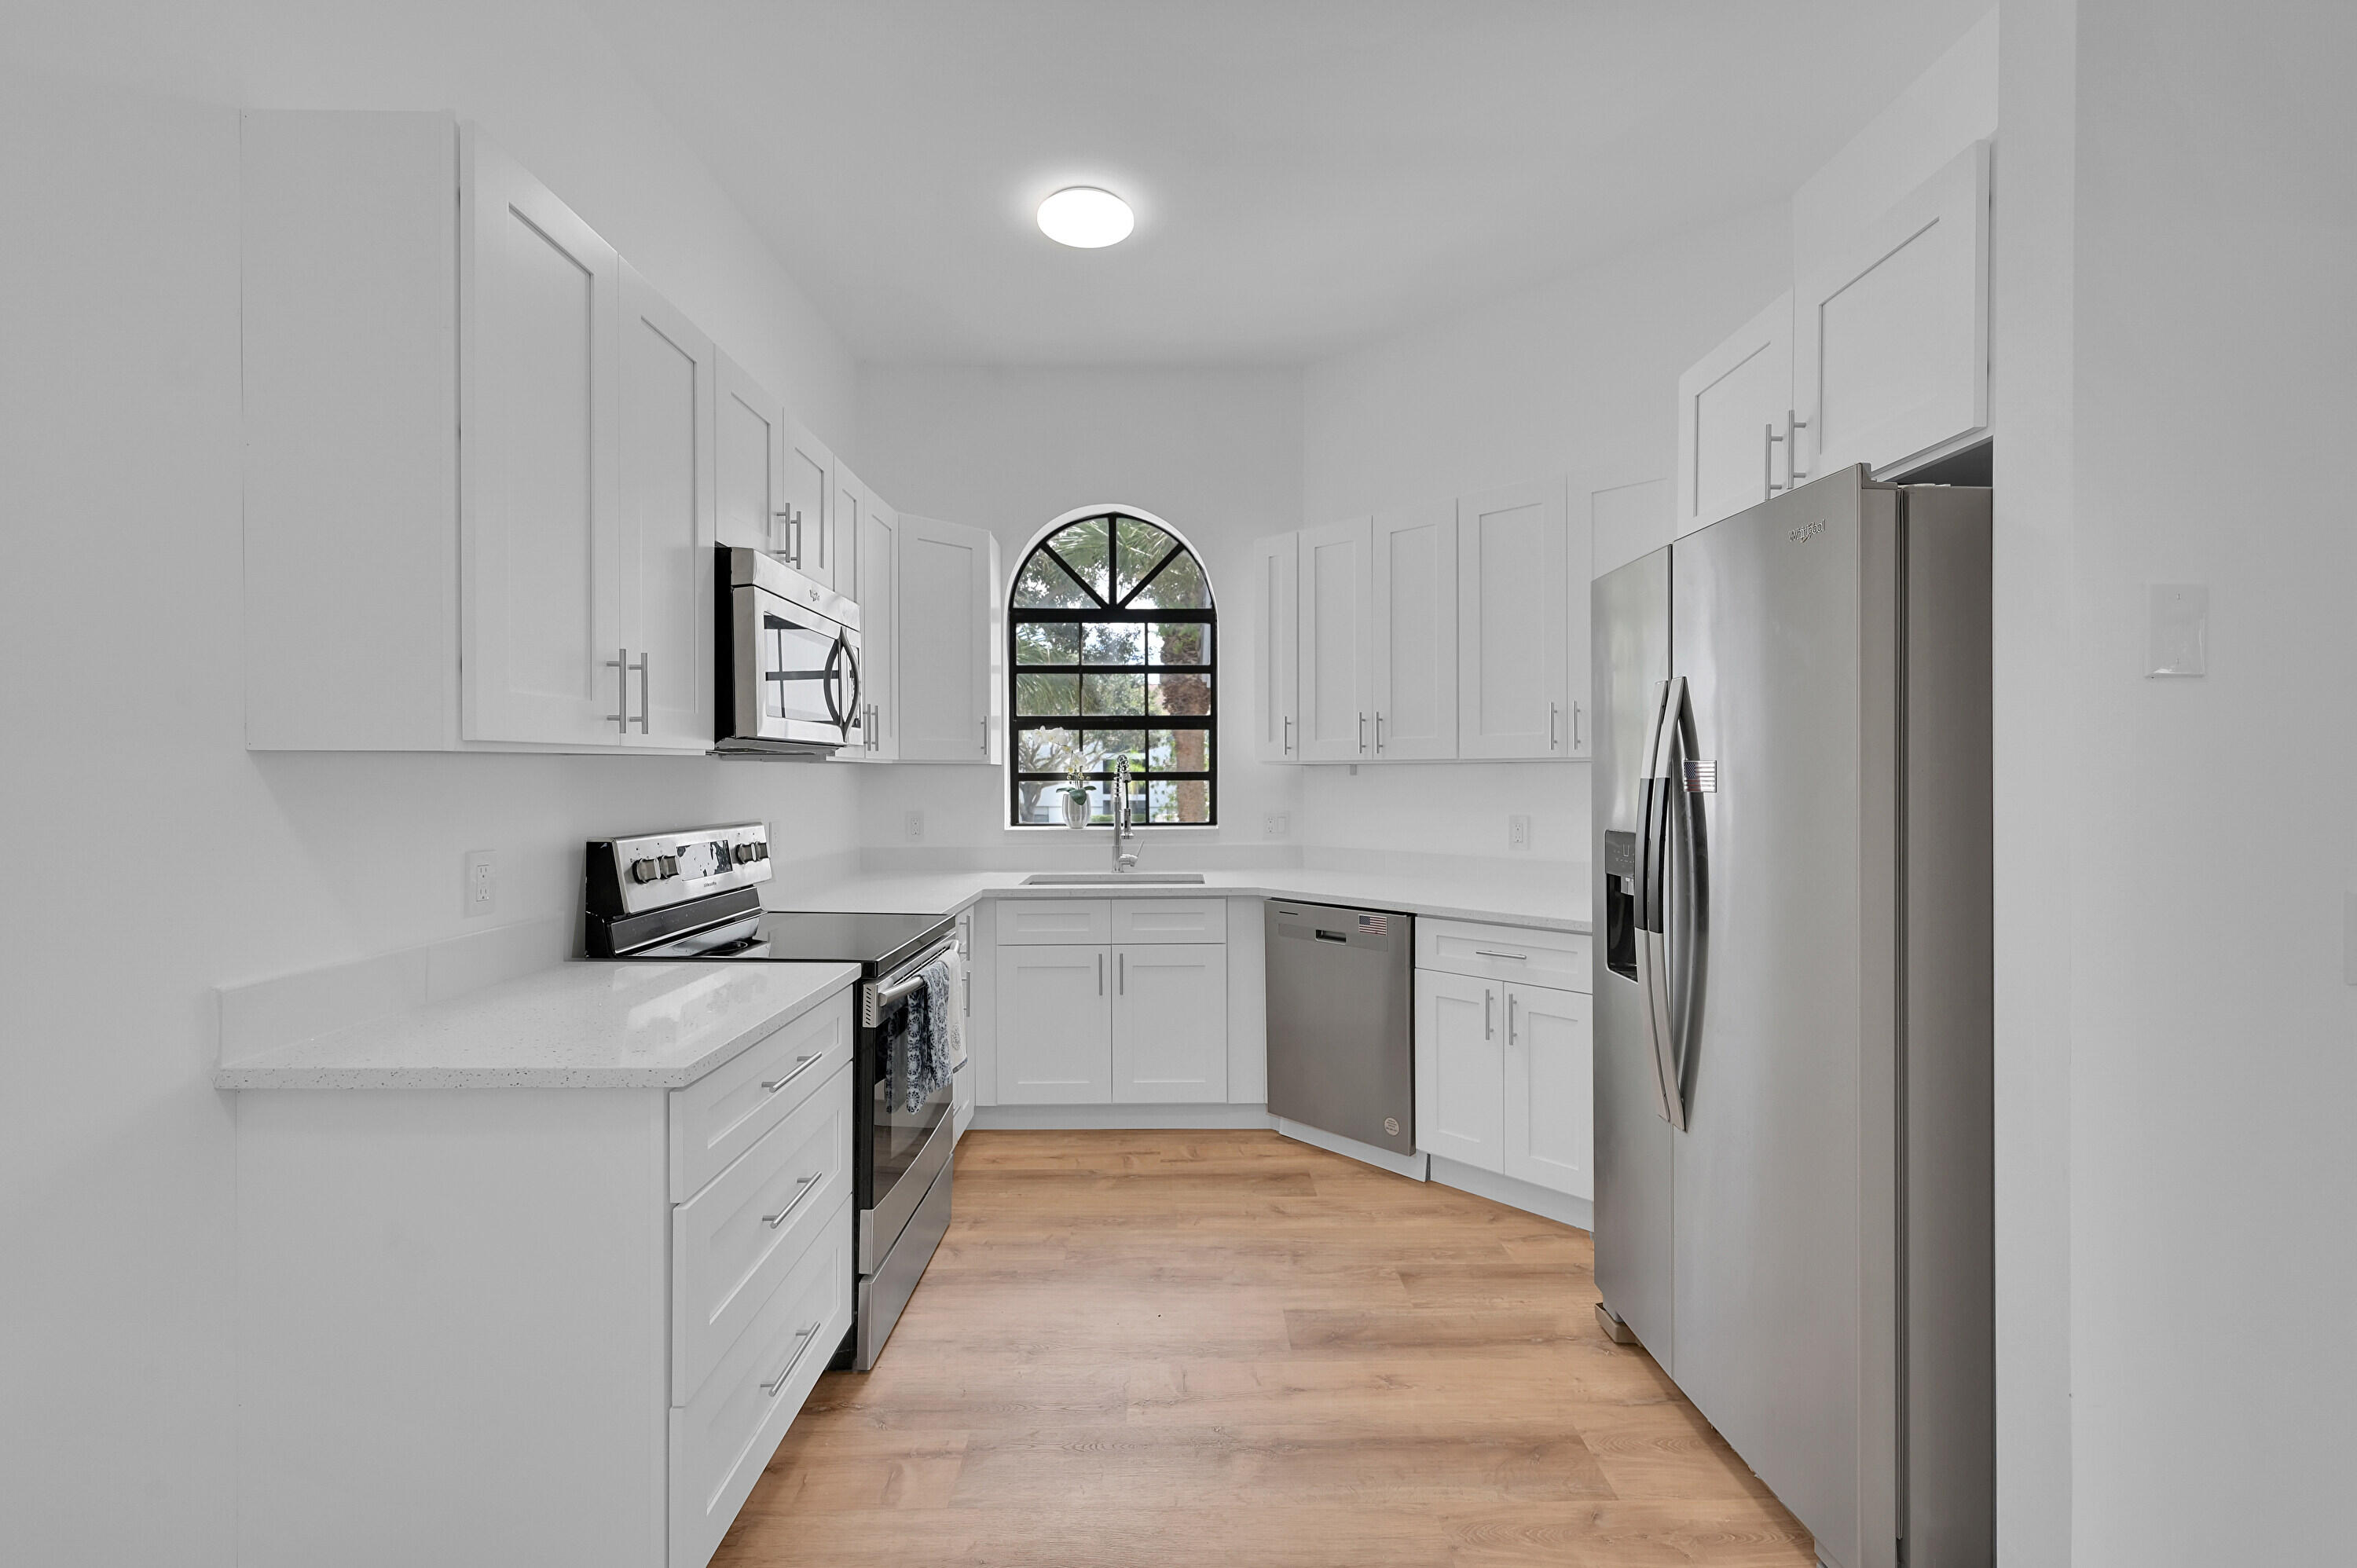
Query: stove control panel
(654, 870)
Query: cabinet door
(540, 312)
(748, 453)
(1336, 682)
(1055, 1026)
(1733, 411)
(946, 613)
(838, 542)
(806, 485)
(1459, 1069)
(1894, 336)
(1414, 641)
(879, 543)
(664, 560)
(1611, 517)
(1170, 1022)
(1512, 612)
(1550, 1103)
(1276, 631)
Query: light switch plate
(1276, 824)
(2180, 630)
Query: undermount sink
(1107, 878)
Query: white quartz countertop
(588, 1024)
(1547, 906)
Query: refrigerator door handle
(1653, 877)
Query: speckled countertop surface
(1549, 906)
(572, 1025)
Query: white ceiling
(1308, 173)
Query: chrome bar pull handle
(1793, 425)
(1121, 972)
(1288, 734)
(1489, 1014)
(645, 703)
(775, 1084)
(1499, 953)
(620, 664)
(1553, 709)
(782, 1215)
(772, 1387)
(1362, 735)
(1101, 974)
(1768, 459)
(1509, 1018)
(1574, 725)
(1379, 732)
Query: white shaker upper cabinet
(1735, 418)
(1414, 642)
(1612, 517)
(837, 563)
(1894, 335)
(749, 458)
(540, 312)
(807, 498)
(1337, 684)
(1513, 603)
(663, 532)
(880, 545)
(1276, 631)
(947, 627)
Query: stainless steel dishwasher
(1342, 1054)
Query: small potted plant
(1076, 801)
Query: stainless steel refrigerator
(1792, 820)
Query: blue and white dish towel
(936, 1044)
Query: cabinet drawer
(1170, 921)
(728, 1110)
(1504, 952)
(1054, 923)
(736, 1238)
(721, 1438)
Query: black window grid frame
(1101, 613)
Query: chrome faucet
(1124, 849)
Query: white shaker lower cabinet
(1111, 1000)
(482, 1327)
(1503, 1065)
(1459, 1069)
(1171, 1024)
(1055, 1025)
(1550, 1118)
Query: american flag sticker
(1376, 925)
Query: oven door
(797, 674)
(907, 1136)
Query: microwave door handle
(850, 683)
(830, 685)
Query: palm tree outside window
(1109, 654)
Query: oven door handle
(886, 995)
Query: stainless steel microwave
(788, 675)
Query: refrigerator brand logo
(1807, 531)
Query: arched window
(1109, 632)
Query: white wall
(1216, 453)
(1579, 373)
(2213, 1378)
(180, 861)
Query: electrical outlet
(1518, 833)
(1276, 824)
(913, 826)
(482, 882)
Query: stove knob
(741, 854)
(669, 865)
(644, 871)
(761, 850)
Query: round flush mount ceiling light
(1085, 216)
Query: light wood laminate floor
(1150, 1347)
